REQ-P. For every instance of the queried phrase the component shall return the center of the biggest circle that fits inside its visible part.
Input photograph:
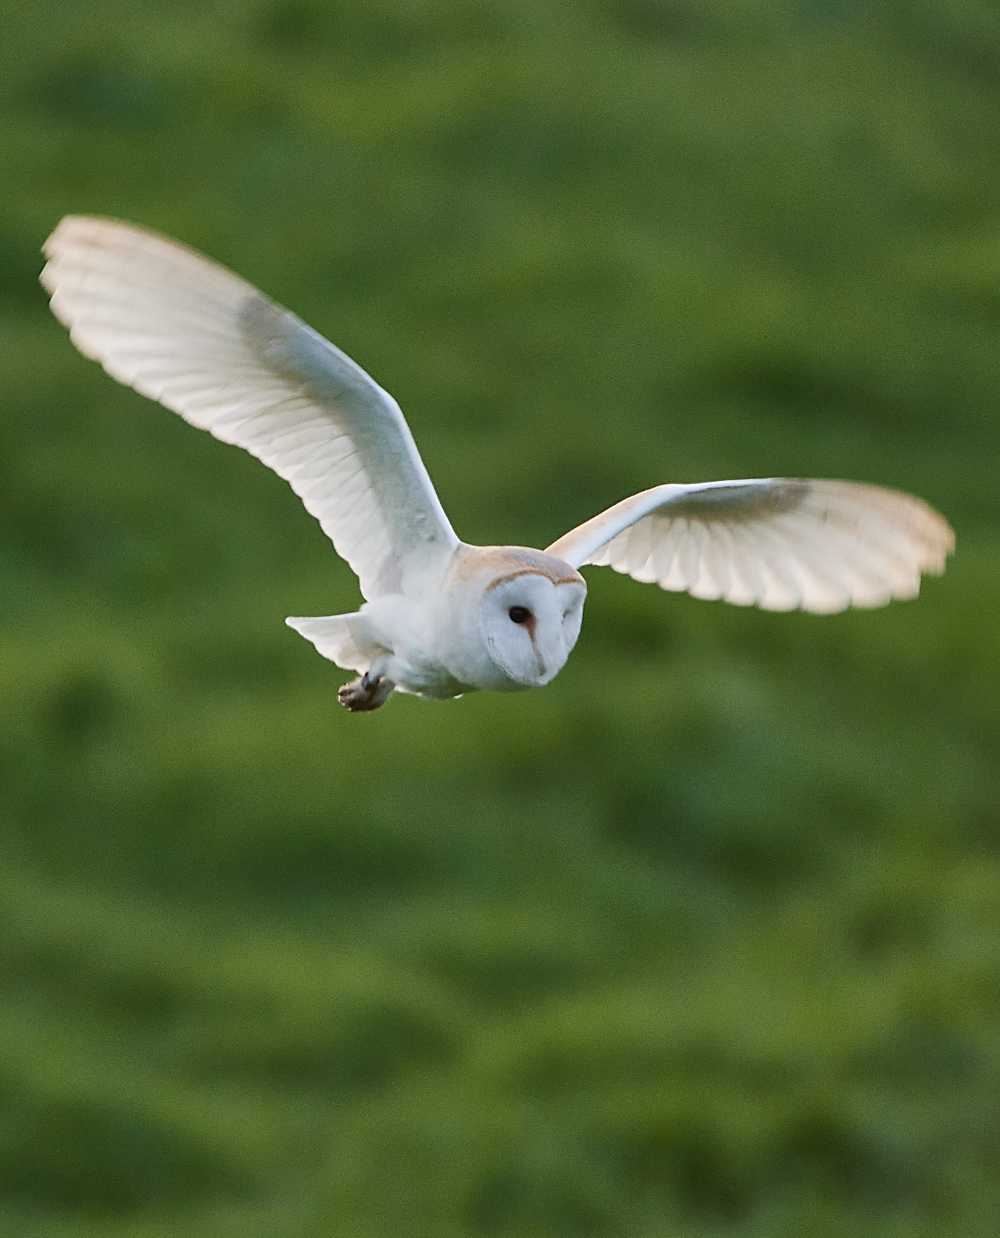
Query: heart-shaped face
(530, 623)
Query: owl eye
(519, 614)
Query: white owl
(442, 617)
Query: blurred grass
(701, 940)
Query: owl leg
(369, 691)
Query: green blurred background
(700, 941)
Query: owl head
(521, 612)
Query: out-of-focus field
(702, 940)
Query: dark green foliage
(703, 939)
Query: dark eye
(519, 614)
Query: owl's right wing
(205, 343)
(778, 543)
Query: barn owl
(441, 617)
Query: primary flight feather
(442, 617)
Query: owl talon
(365, 693)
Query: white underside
(386, 643)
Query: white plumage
(442, 617)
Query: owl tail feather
(347, 640)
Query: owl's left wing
(778, 543)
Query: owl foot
(365, 693)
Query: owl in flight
(441, 617)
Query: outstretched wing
(208, 345)
(778, 543)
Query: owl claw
(365, 693)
